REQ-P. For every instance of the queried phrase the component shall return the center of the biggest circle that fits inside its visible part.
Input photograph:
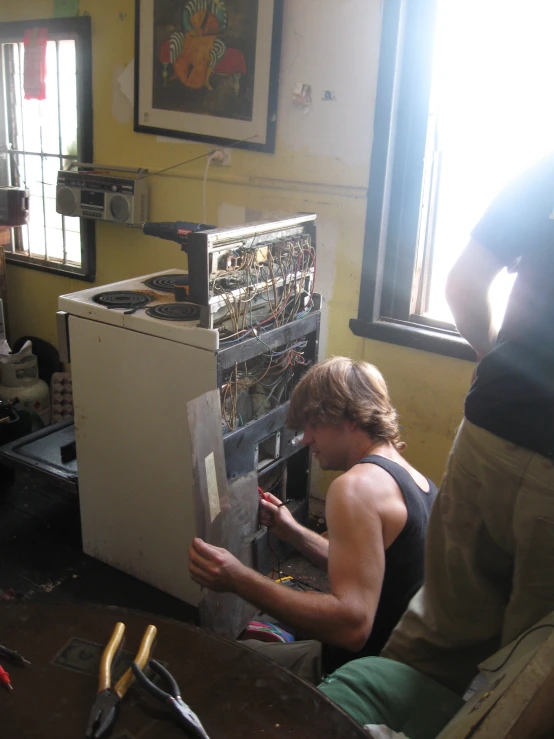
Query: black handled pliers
(104, 711)
(183, 714)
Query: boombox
(102, 196)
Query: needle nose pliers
(104, 711)
(183, 714)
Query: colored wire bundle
(264, 287)
(269, 375)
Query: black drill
(178, 231)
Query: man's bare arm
(344, 616)
(467, 293)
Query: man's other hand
(214, 567)
(277, 517)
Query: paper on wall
(126, 81)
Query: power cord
(516, 645)
(209, 160)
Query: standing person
(490, 547)
(376, 514)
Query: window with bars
(40, 137)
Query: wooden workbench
(234, 691)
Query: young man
(376, 515)
(490, 548)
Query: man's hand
(277, 517)
(214, 567)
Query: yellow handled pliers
(104, 711)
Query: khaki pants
(301, 657)
(489, 569)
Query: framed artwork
(207, 70)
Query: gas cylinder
(21, 380)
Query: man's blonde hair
(343, 389)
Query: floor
(41, 556)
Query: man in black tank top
(376, 514)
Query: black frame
(78, 28)
(395, 185)
(271, 130)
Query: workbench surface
(234, 691)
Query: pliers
(104, 711)
(183, 714)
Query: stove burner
(121, 299)
(166, 283)
(174, 312)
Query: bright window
(40, 137)
(491, 115)
(464, 104)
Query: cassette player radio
(102, 196)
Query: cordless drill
(179, 231)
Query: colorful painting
(207, 70)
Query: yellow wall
(321, 164)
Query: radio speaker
(66, 203)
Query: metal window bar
(18, 232)
(4, 157)
(60, 138)
(42, 185)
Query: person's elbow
(354, 631)
(470, 278)
(454, 290)
(460, 290)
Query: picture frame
(208, 70)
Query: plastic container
(21, 380)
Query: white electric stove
(146, 304)
(137, 357)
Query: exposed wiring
(268, 376)
(264, 286)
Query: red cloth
(232, 62)
(34, 65)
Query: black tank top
(404, 560)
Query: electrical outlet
(221, 157)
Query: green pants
(374, 690)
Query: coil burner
(166, 283)
(174, 312)
(123, 299)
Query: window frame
(395, 186)
(77, 29)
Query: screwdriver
(14, 657)
(265, 497)
(5, 679)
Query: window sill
(77, 273)
(415, 336)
